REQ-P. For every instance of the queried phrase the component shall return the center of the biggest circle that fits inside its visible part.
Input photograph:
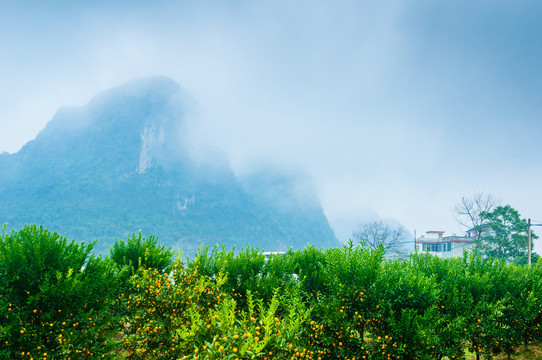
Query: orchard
(58, 301)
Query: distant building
(442, 246)
(481, 230)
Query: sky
(394, 109)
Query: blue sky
(395, 109)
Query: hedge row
(58, 301)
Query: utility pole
(529, 236)
(529, 242)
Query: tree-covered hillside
(119, 165)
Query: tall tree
(375, 234)
(468, 211)
(504, 234)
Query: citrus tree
(55, 297)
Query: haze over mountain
(121, 164)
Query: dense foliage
(55, 297)
(57, 301)
(504, 234)
(138, 251)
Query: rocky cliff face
(119, 165)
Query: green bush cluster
(59, 301)
(138, 252)
(187, 315)
(55, 297)
(365, 307)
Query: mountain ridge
(120, 164)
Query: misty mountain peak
(136, 125)
(120, 164)
(131, 102)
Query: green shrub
(339, 285)
(405, 313)
(188, 316)
(247, 271)
(55, 298)
(138, 251)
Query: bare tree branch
(376, 233)
(467, 212)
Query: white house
(442, 246)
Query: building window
(442, 247)
(435, 247)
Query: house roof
(443, 241)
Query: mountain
(120, 164)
